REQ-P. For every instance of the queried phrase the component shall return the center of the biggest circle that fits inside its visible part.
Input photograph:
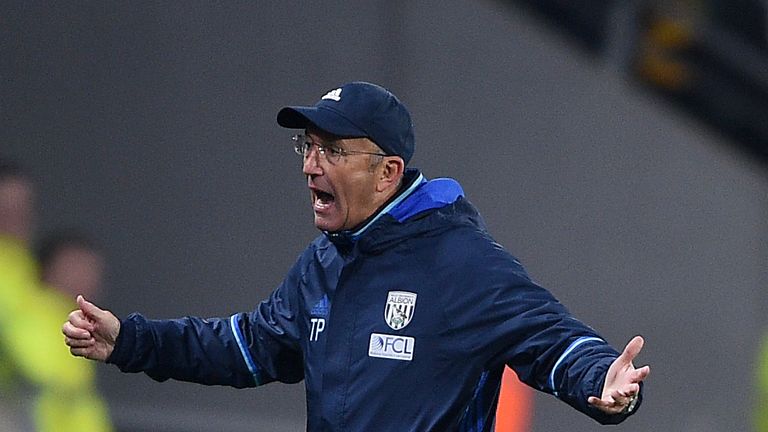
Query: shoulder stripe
(575, 344)
(233, 325)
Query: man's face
(343, 192)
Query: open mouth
(322, 200)
(324, 197)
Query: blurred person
(42, 388)
(708, 56)
(675, 50)
(17, 212)
(400, 315)
(70, 264)
(18, 277)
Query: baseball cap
(358, 109)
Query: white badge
(393, 347)
(399, 309)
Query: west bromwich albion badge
(399, 310)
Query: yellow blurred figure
(45, 388)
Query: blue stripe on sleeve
(575, 344)
(233, 324)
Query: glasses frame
(302, 145)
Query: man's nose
(312, 162)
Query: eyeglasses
(302, 145)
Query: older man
(400, 316)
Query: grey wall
(153, 127)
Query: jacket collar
(413, 179)
(416, 196)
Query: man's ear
(390, 173)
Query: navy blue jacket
(403, 325)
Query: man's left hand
(622, 382)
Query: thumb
(89, 309)
(633, 348)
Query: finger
(610, 400)
(596, 401)
(80, 352)
(638, 375)
(77, 319)
(641, 373)
(630, 390)
(620, 397)
(604, 405)
(71, 331)
(593, 400)
(76, 316)
(79, 343)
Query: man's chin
(323, 224)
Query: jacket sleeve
(510, 319)
(244, 350)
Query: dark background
(152, 126)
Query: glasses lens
(333, 154)
(300, 145)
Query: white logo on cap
(333, 95)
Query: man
(400, 316)
(42, 388)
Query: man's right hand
(91, 332)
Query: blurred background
(617, 148)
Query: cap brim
(299, 117)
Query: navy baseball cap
(358, 109)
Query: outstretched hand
(91, 332)
(622, 382)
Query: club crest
(399, 309)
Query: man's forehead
(316, 132)
(327, 137)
